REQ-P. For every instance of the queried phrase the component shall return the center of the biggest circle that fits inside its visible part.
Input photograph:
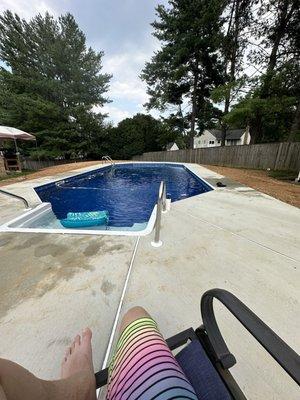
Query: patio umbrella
(7, 132)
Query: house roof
(170, 145)
(232, 134)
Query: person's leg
(143, 367)
(78, 380)
(132, 315)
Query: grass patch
(12, 175)
(283, 175)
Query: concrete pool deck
(233, 238)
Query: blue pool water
(127, 191)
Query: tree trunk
(295, 128)
(182, 119)
(279, 32)
(232, 57)
(255, 129)
(194, 108)
(224, 126)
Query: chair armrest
(275, 346)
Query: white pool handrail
(161, 207)
(108, 158)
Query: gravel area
(288, 192)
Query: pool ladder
(109, 159)
(15, 196)
(161, 207)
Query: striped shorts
(144, 368)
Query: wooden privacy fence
(36, 165)
(276, 156)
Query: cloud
(126, 85)
(115, 114)
(121, 29)
(133, 90)
(28, 9)
(126, 68)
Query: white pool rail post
(161, 207)
(164, 198)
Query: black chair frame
(213, 343)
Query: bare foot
(78, 356)
(78, 361)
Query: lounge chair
(206, 360)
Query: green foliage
(272, 107)
(187, 66)
(276, 115)
(51, 84)
(237, 17)
(137, 135)
(275, 112)
(230, 90)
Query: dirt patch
(30, 267)
(33, 264)
(107, 287)
(93, 248)
(259, 180)
(57, 169)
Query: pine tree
(187, 66)
(238, 19)
(51, 83)
(271, 107)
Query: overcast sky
(121, 28)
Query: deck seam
(244, 237)
(118, 312)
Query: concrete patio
(234, 238)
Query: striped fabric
(144, 368)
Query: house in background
(212, 138)
(172, 146)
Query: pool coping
(44, 207)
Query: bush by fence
(276, 156)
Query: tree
(187, 66)
(276, 111)
(271, 105)
(277, 28)
(237, 16)
(176, 125)
(51, 83)
(136, 135)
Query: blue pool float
(85, 219)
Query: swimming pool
(128, 192)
